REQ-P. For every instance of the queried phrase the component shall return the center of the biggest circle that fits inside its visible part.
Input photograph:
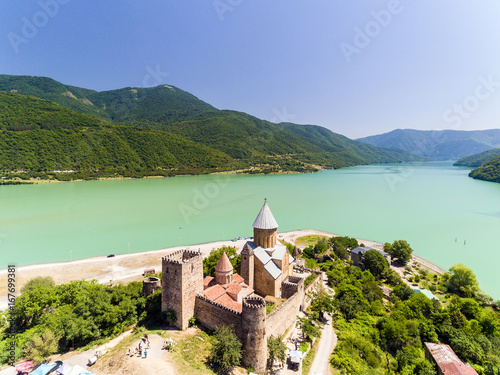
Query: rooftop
(448, 361)
(265, 219)
(224, 265)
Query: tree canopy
(376, 263)
(226, 350)
(400, 249)
(463, 280)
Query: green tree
(400, 249)
(226, 349)
(39, 281)
(376, 263)
(349, 301)
(322, 301)
(42, 346)
(276, 350)
(463, 281)
(309, 330)
(211, 261)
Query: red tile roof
(448, 361)
(238, 279)
(208, 281)
(214, 292)
(224, 265)
(227, 301)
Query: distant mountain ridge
(478, 159)
(437, 144)
(166, 108)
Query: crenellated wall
(211, 315)
(285, 315)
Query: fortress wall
(284, 316)
(212, 315)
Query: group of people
(143, 344)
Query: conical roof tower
(224, 270)
(265, 228)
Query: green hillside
(254, 142)
(41, 137)
(478, 159)
(489, 171)
(74, 98)
(437, 144)
(141, 106)
(351, 151)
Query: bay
(447, 217)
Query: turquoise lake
(447, 217)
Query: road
(328, 341)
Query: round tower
(149, 285)
(224, 270)
(253, 316)
(265, 228)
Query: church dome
(265, 219)
(224, 265)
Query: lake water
(447, 217)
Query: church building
(265, 262)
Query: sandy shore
(129, 267)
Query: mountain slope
(74, 98)
(40, 136)
(489, 171)
(478, 159)
(437, 145)
(169, 109)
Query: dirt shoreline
(129, 267)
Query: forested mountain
(478, 159)
(489, 171)
(41, 137)
(238, 135)
(437, 144)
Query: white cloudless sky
(409, 64)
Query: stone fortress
(234, 300)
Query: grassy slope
(39, 135)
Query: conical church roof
(265, 219)
(224, 264)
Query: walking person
(145, 353)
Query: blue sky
(357, 68)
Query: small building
(357, 256)
(446, 360)
(426, 293)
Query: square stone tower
(182, 280)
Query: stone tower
(265, 228)
(247, 266)
(224, 270)
(182, 280)
(253, 316)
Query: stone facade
(149, 285)
(182, 282)
(265, 238)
